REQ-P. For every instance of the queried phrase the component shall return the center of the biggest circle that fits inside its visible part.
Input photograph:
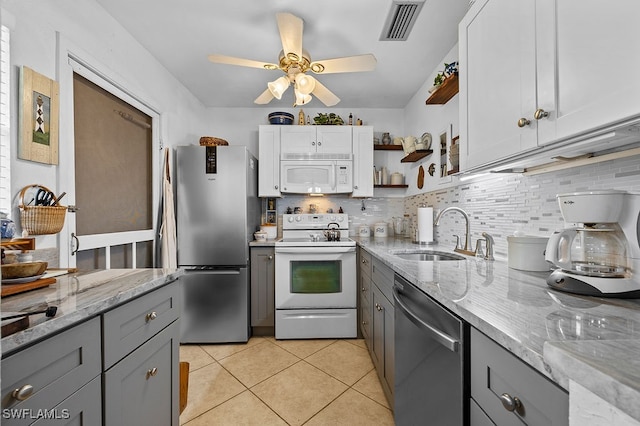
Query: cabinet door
(298, 139)
(142, 389)
(362, 161)
(83, 408)
(497, 80)
(365, 307)
(335, 139)
(383, 334)
(269, 161)
(262, 287)
(598, 68)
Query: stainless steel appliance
(315, 278)
(431, 357)
(600, 256)
(218, 210)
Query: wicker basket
(40, 220)
(211, 141)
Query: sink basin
(428, 256)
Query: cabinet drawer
(496, 372)
(55, 368)
(130, 325)
(142, 389)
(365, 262)
(382, 276)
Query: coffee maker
(600, 254)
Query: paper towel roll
(425, 225)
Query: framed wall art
(38, 117)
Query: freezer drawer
(215, 306)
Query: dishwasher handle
(437, 335)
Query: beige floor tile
(223, 350)
(357, 342)
(258, 362)
(370, 386)
(209, 386)
(303, 348)
(353, 409)
(354, 361)
(195, 356)
(298, 392)
(244, 409)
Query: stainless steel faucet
(489, 239)
(467, 235)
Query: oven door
(315, 277)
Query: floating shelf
(416, 155)
(19, 244)
(387, 147)
(390, 186)
(445, 92)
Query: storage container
(527, 253)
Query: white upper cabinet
(307, 139)
(537, 73)
(362, 161)
(269, 161)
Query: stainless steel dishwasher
(430, 360)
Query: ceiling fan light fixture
(305, 84)
(278, 87)
(301, 98)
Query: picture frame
(444, 140)
(38, 117)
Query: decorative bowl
(280, 118)
(23, 270)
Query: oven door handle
(315, 250)
(438, 335)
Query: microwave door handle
(333, 175)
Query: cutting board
(14, 325)
(10, 289)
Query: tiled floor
(283, 382)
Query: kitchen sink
(427, 255)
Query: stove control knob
(298, 218)
(332, 218)
(340, 218)
(290, 219)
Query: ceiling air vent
(402, 16)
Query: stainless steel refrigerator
(218, 210)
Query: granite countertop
(78, 297)
(592, 341)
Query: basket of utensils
(42, 214)
(212, 141)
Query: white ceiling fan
(294, 61)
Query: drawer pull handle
(523, 122)
(510, 403)
(22, 393)
(151, 316)
(152, 372)
(378, 307)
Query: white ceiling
(180, 34)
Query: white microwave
(316, 175)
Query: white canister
(260, 236)
(271, 230)
(527, 253)
(396, 178)
(380, 229)
(364, 231)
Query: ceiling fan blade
(264, 98)
(230, 60)
(347, 64)
(290, 27)
(325, 95)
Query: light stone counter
(592, 341)
(78, 297)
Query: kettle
(332, 234)
(599, 250)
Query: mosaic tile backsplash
(500, 204)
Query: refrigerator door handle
(213, 271)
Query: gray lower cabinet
(42, 381)
(263, 290)
(364, 299)
(381, 343)
(509, 392)
(80, 409)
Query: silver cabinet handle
(319, 143)
(540, 113)
(270, 257)
(523, 122)
(151, 372)
(510, 403)
(151, 316)
(23, 392)
(364, 289)
(378, 307)
(313, 144)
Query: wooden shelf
(19, 244)
(447, 91)
(387, 147)
(416, 155)
(390, 186)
